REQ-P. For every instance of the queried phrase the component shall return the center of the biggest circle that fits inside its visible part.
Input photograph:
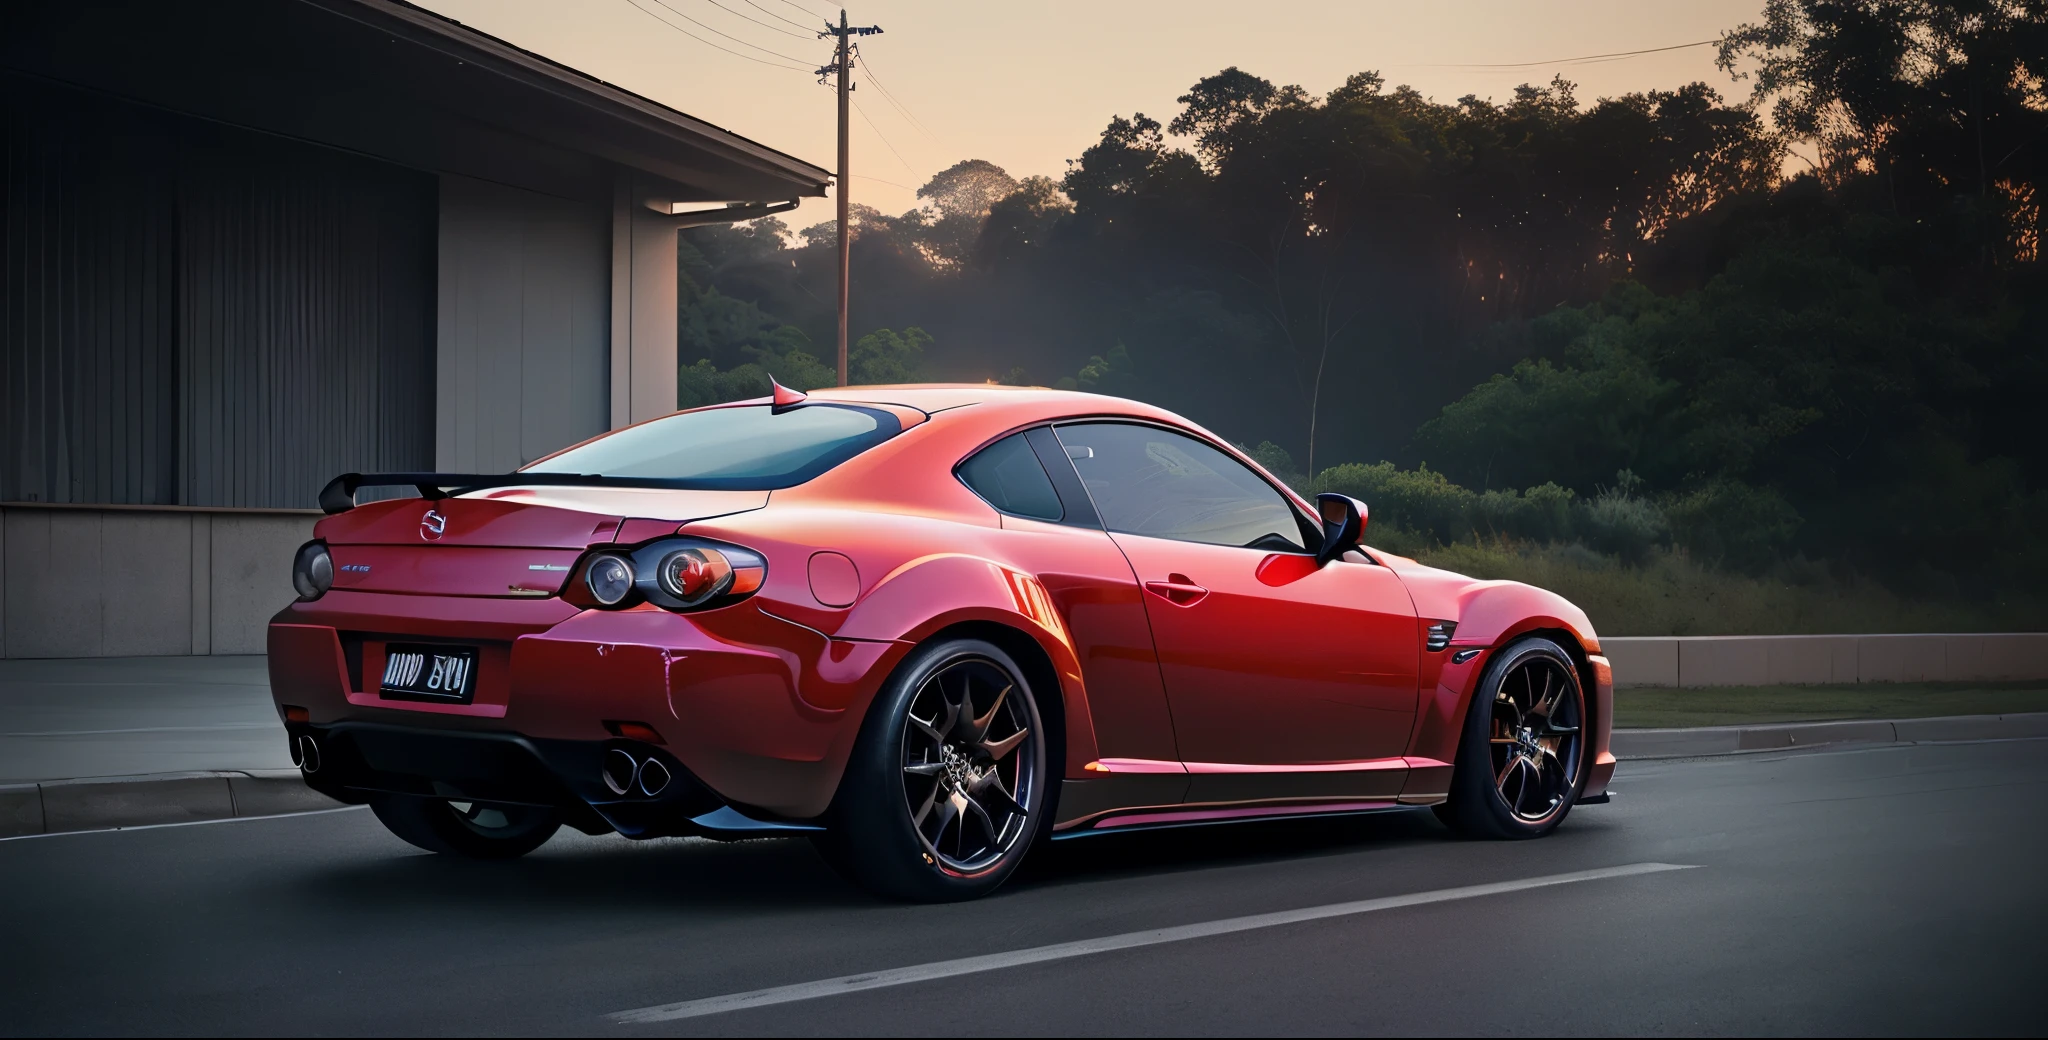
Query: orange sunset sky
(1029, 85)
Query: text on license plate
(441, 673)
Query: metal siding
(87, 372)
(305, 298)
(194, 314)
(524, 325)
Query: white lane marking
(149, 729)
(1084, 947)
(186, 823)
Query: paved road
(1892, 890)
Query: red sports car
(928, 627)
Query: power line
(708, 43)
(891, 98)
(805, 10)
(890, 183)
(1564, 61)
(729, 36)
(771, 14)
(757, 21)
(885, 137)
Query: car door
(1051, 531)
(1282, 676)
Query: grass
(1670, 595)
(1739, 705)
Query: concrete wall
(524, 317)
(127, 582)
(643, 370)
(1771, 660)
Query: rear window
(1008, 475)
(749, 448)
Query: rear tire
(946, 790)
(1521, 758)
(472, 830)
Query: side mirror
(1343, 525)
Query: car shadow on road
(1181, 849)
(581, 874)
(584, 874)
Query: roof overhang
(395, 81)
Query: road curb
(1730, 740)
(109, 802)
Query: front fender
(928, 595)
(1489, 615)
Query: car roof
(1015, 402)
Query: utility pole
(842, 67)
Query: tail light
(679, 574)
(312, 571)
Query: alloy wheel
(1535, 738)
(970, 765)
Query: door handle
(1177, 590)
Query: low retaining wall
(131, 581)
(1772, 660)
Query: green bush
(1620, 523)
(1670, 594)
(1732, 523)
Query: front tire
(1521, 759)
(946, 790)
(472, 830)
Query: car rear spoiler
(339, 496)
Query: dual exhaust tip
(626, 773)
(306, 754)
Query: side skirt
(1174, 817)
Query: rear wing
(339, 496)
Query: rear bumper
(356, 761)
(760, 713)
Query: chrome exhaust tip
(620, 769)
(307, 751)
(654, 777)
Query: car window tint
(1008, 475)
(1150, 481)
(748, 448)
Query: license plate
(429, 673)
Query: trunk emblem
(432, 525)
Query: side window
(1150, 481)
(1008, 476)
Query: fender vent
(1440, 634)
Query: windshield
(745, 449)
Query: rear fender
(930, 594)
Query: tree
(885, 356)
(967, 188)
(1936, 100)
(1021, 221)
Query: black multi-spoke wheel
(966, 768)
(1521, 759)
(477, 830)
(946, 790)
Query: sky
(1029, 86)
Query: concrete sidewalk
(120, 716)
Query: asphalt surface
(1878, 891)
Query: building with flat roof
(250, 244)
